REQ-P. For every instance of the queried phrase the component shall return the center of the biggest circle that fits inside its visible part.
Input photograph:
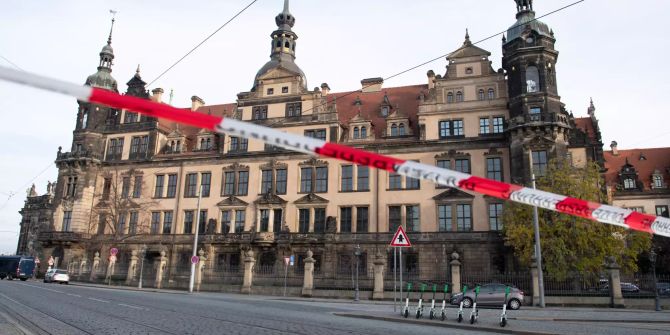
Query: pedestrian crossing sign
(400, 239)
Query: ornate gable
(453, 194)
(311, 199)
(236, 167)
(452, 154)
(270, 199)
(273, 164)
(232, 202)
(314, 162)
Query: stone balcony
(62, 236)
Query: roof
(586, 125)
(527, 19)
(404, 98)
(645, 162)
(217, 110)
(468, 50)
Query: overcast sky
(612, 50)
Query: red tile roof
(654, 159)
(586, 124)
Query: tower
(539, 124)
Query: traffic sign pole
(195, 243)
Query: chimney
(196, 103)
(431, 79)
(613, 145)
(371, 85)
(325, 89)
(157, 94)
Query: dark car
(8, 266)
(492, 294)
(625, 288)
(663, 288)
(26, 268)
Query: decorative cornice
(313, 162)
(453, 194)
(311, 199)
(270, 199)
(452, 154)
(236, 167)
(493, 152)
(273, 164)
(232, 202)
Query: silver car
(490, 295)
(58, 276)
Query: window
(281, 179)
(277, 220)
(480, 94)
(444, 217)
(67, 220)
(229, 183)
(457, 127)
(494, 168)
(203, 222)
(395, 181)
(394, 218)
(450, 97)
(535, 113)
(259, 112)
(303, 220)
(135, 147)
(130, 117)
(137, 187)
(492, 94)
(132, 223)
(662, 211)
(172, 186)
(345, 219)
(468, 70)
(539, 162)
(284, 89)
(319, 220)
(84, 119)
(462, 165)
(114, 148)
(225, 222)
(459, 96)
(306, 180)
(205, 183)
(240, 217)
(271, 91)
(412, 221)
(125, 187)
(385, 111)
(191, 185)
(532, 79)
(71, 187)
(347, 183)
(106, 188)
(158, 192)
(412, 183)
(363, 178)
(629, 184)
(238, 144)
(498, 124)
(401, 129)
(445, 129)
(463, 217)
(266, 181)
(361, 219)
(321, 179)
(155, 222)
(121, 226)
(356, 133)
(495, 217)
(484, 126)
(188, 222)
(293, 109)
(102, 223)
(394, 130)
(265, 220)
(657, 181)
(364, 132)
(316, 133)
(167, 222)
(205, 143)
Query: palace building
(132, 182)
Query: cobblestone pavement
(68, 309)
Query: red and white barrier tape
(585, 209)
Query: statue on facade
(32, 192)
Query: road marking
(74, 295)
(42, 288)
(131, 306)
(94, 299)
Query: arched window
(480, 95)
(287, 45)
(394, 130)
(450, 97)
(492, 94)
(532, 79)
(628, 184)
(401, 129)
(657, 181)
(356, 135)
(364, 132)
(84, 120)
(278, 44)
(202, 143)
(459, 96)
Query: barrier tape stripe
(593, 211)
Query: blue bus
(21, 267)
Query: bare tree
(122, 206)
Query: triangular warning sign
(400, 239)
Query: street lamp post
(652, 258)
(143, 252)
(538, 249)
(195, 243)
(357, 253)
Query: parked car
(492, 294)
(663, 288)
(57, 275)
(625, 288)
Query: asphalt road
(61, 309)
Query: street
(70, 309)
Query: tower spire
(524, 5)
(111, 29)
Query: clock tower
(539, 124)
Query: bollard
(503, 316)
(474, 313)
(405, 310)
(443, 312)
(431, 315)
(460, 308)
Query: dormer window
(205, 143)
(394, 129)
(657, 180)
(356, 133)
(629, 184)
(401, 129)
(385, 111)
(364, 132)
(271, 91)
